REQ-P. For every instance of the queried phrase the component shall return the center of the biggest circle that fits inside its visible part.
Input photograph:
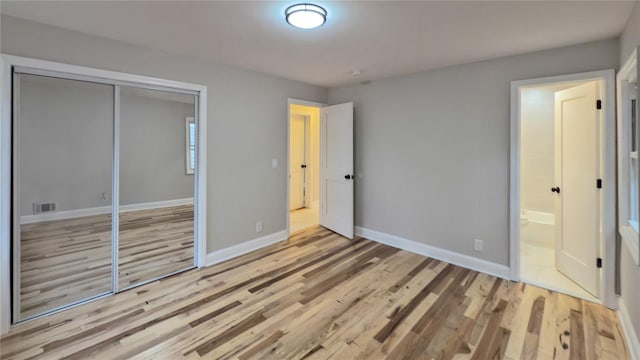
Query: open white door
(577, 170)
(336, 168)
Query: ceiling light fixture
(305, 16)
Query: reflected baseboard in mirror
(65, 261)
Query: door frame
(7, 63)
(292, 101)
(607, 170)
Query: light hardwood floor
(321, 296)
(65, 261)
(301, 219)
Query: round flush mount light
(305, 16)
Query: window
(191, 144)
(628, 162)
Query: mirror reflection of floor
(65, 261)
(303, 218)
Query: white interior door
(296, 162)
(336, 168)
(577, 201)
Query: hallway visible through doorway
(303, 218)
(304, 128)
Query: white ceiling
(381, 38)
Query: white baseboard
(455, 258)
(156, 205)
(231, 252)
(630, 333)
(70, 214)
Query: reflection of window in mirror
(191, 144)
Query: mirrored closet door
(62, 168)
(103, 188)
(156, 236)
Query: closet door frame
(15, 188)
(8, 64)
(115, 191)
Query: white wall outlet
(477, 244)
(258, 226)
(274, 163)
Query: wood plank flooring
(321, 296)
(65, 261)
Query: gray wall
(629, 271)
(66, 130)
(65, 139)
(247, 120)
(432, 149)
(630, 37)
(152, 150)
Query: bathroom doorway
(561, 168)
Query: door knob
(347, 176)
(555, 189)
(303, 166)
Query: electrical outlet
(477, 244)
(258, 226)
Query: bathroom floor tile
(537, 267)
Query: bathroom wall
(537, 166)
(537, 149)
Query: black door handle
(303, 166)
(347, 176)
(555, 189)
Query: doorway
(325, 153)
(563, 183)
(304, 143)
